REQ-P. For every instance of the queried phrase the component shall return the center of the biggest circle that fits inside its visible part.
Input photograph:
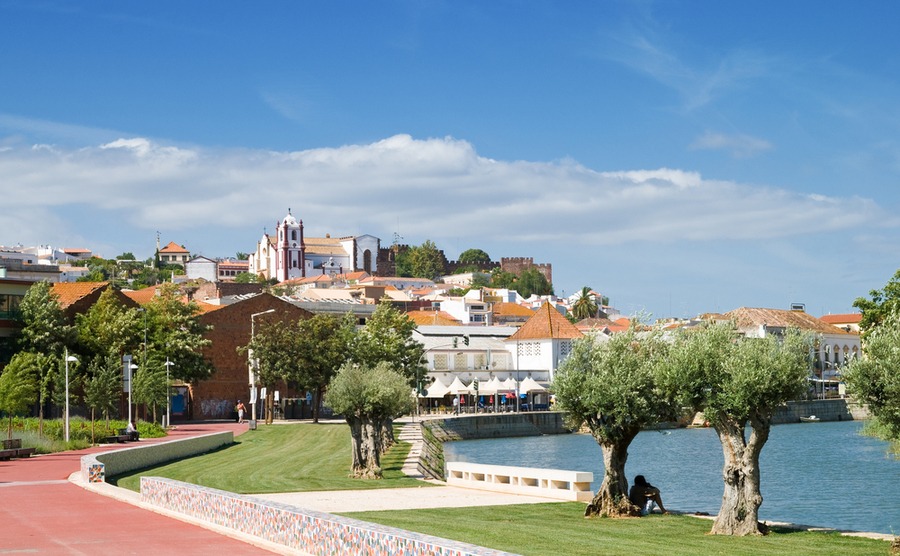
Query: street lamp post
(168, 395)
(131, 368)
(252, 364)
(73, 360)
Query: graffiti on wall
(216, 409)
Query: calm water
(821, 474)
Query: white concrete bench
(549, 483)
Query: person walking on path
(240, 410)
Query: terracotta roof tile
(751, 317)
(433, 318)
(141, 296)
(70, 292)
(546, 323)
(849, 318)
(173, 247)
(507, 309)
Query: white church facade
(288, 254)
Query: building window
(565, 348)
(294, 235)
(440, 362)
(529, 349)
(460, 362)
(367, 261)
(480, 361)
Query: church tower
(290, 250)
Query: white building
(201, 268)
(289, 254)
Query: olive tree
(388, 337)
(738, 382)
(368, 397)
(875, 379)
(611, 387)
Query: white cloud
(436, 188)
(739, 145)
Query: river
(822, 474)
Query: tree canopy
(388, 336)
(875, 378)
(19, 385)
(611, 387)
(424, 261)
(881, 304)
(368, 398)
(585, 306)
(737, 382)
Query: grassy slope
(280, 458)
(559, 529)
(316, 457)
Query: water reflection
(818, 473)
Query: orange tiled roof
(849, 318)
(506, 309)
(750, 317)
(207, 307)
(70, 292)
(620, 325)
(433, 318)
(141, 296)
(173, 247)
(547, 323)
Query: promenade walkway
(43, 513)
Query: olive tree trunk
(611, 499)
(741, 499)
(387, 435)
(371, 464)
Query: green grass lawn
(560, 530)
(307, 457)
(280, 458)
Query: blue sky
(680, 157)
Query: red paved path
(41, 512)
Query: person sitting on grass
(645, 496)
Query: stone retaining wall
(826, 410)
(96, 467)
(474, 427)
(305, 530)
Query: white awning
(531, 385)
(437, 389)
(457, 387)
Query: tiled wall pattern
(314, 532)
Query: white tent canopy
(531, 385)
(510, 385)
(457, 387)
(490, 387)
(437, 389)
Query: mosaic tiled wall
(313, 532)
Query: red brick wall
(216, 397)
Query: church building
(288, 254)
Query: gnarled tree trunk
(741, 499)
(611, 499)
(387, 435)
(371, 440)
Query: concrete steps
(412, 433)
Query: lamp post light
(131, 368)
(168, 395)
(69, 358)
(252, 364)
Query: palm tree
(585, 306)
